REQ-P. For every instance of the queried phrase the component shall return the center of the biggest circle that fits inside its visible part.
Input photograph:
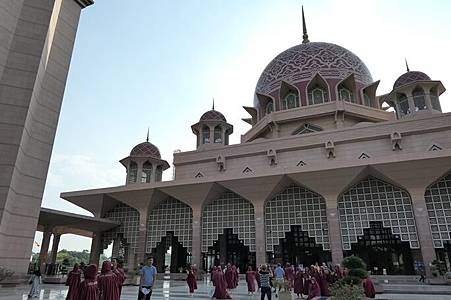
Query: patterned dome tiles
(303, 61)
(146, 149)
(409, 77)
(213, 115)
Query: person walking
(265, 279)
(73, 281)
(250, 280)
(109, 283)
(88, 288)
(35, 282)
(191, 281)
(148, 278)
(279, 272)
(120, 273)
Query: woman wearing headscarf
(191, 281)
(220, 285)
(299, 282)
(89, 288)
(250, 280)
(108, 283)
(314, 289)
(35, 282)
(117, 269)
(73, 281)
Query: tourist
(257, 278)
(250, 280)
(299, 282)
(230, 277)
(338, 273)
(220, 285)
(236, 275)
(306, 286)
(108, 283)
(314, 289)
(191, 281)
(73, 281)
(265, 280)
(368, 287)
(280, 278)
(88, 288)
(35, 282)
(148, 278)
(324, 280)
(120, 273)
(289, 272)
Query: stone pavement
(177, 290)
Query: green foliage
(353, 262)
(359, 273)
(342, 291)
(69, 258)
(5, 273)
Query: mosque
(329, 168)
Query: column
(427, 97)
(260, 241)
(55, 244)
(333, 221)
(154, 173)
(142, 236)
(411, 102)
(140, 171)
(423, 228)
(44, 249)
(96, 248)
(196, 252)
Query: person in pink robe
(191, 281)
(299, 282)
(250, 280)
(324, 282)
(257, 278)
(306, 287)
(368, 288)
(236, 276)
(314, 289)
(89, 288)
(220, 286)
(119, 271)
(73, 281)
(108, 283)
(229, 277)
(213, 275)
(194, 269)
(289, 273)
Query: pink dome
(409, 77)
(213, 115)
(146, 149)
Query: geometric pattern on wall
(375, 200)
(128, 217)
(438, 203)
(229, 211)
(171, 215)
(296, 206)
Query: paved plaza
(177, 290)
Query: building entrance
(380, 250)
(229, 249)
(170, 255)
(298, 248)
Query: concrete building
(328, 169)
(36, 43)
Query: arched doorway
(298, 248)
(296, 227)
(376, 216)
(170, 234)
(228, 232)
(381, 249)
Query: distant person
(368, 287)
(265, 282)
(250, 280)
(148, 278)
(108, 283)
(314, 289)
(191, 281)
(120, 273)
(220, 284)
(73, 281)
(279, 273)
(35, 282)
(88, 288)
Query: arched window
(218, 135)
(132, 172)
(205, 135)
(434, 100)
(307, 128)
(291, 100)
(345, 94)
(403, 104)
(317, 95)
(419, 99)
(146, 173)
(269, 107)
(367, 100)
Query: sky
(157, 64)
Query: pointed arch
(318, 90)
(289, 96)
(146, 174)
(374, 200)
(217, 135)
(128, 217)
(132, 172)
(171, 215)
(419, 99)
(434, 99)
(368, 95)
(205, 134)
(264, 101)
(402, 104)
(296, 205)
(346, 89)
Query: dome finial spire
(213, 103)
(407, 65)
(304, 28)
(147, 139)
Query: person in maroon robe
(250, 280)
(73, 281)
(236, 276)
(314, 289)
(108, 283)
(324, 282)
(229, 277)
(191, 281)
(88, 288)
(213, 275)
(306, 287)
(368, 288)
(257, 278)
(194, 269)
(338, 272)
(289, 273)
(220, 286)
(299, 282)
(119, 271)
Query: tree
(350, 287)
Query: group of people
(224, 280)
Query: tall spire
(407, 65)
(147, 139)
(213, 104)
(304, 29)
